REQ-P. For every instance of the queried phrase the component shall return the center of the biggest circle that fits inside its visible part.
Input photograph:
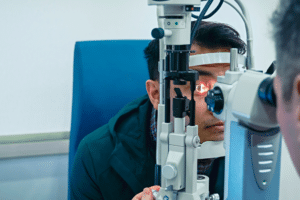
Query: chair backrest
(107, 75)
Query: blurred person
(286, 22)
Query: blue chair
(107, 76)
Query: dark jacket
(116, 161)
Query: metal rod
(234, 59)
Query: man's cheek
(201, 107)
(280, 111)
(200, 102)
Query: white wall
(36, 51)
(37, 42)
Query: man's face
(209, 127)
(288, 119)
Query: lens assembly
(266, 92)
(215, 100)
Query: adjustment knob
(215, 100)
(158, 33)
(169, 171)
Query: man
(287, 82)
(117, 160)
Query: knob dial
(158, 33)
(169, 171)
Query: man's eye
(202, 88)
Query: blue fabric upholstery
(107, 76)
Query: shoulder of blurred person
(114, 161)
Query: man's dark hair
(209, 35)
(286, 21)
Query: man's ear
(152, 88)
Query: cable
(208, 4)
(241, 14)
(250, 57)
(212, 13)
(215, 10)
(195, 16)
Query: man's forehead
(203, 50)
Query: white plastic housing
(211, 149)
(247, 106)
(180, 28)
(214, 58)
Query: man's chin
(219, 137)
(214, 133)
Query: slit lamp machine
(243, 98)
